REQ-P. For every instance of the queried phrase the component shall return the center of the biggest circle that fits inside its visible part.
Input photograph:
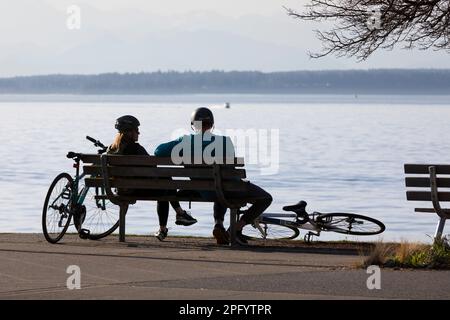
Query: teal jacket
(187, 142)
(198, 144)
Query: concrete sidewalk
(196, 268)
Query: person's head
(202, 119)
(128, 127)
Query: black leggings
(162, 207)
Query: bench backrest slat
(121, 160)
(423, 168)
(199, 172)
(419, 182)
(166, 184)
(426, 196)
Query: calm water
(339, 153)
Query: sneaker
(222, 236)
(161, 234)
(185, 219)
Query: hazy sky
(232, 8)
(149, 35)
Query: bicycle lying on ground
(68, 200)
(287, 225)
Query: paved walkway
(193, 268)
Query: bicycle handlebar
(91, 139)
(72, 155)
(96, 143)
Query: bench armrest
(434, 194)
(219, 188)
(114, 198)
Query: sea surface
(341, 153)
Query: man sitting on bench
(202, 122)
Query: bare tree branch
(364, 26)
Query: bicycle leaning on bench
(287, 225)
(67, 200)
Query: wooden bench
(113, 172)
(432, 177)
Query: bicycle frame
(313, 228)
(78, 197)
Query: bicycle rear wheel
(99, 216)
(271, 230)
(350, 223)
(56, 214)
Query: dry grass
(410, 255)
(379, 254)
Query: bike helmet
(127, 123)
(204, 115)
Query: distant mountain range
(376, 81)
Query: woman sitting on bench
(126, 143)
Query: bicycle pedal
(84, 233)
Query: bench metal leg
(439, 229)
(436, 204)
(123, 212)
(233, 220)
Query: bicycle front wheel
(350, 223)
(99, 216)
(270, 230)
(56, 213)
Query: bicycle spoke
(101, 219)
(56, 214)
(271, 230)
(350, 224)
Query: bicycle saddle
(297, 208)
(72, 155)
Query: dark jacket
(130, 149)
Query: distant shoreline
(233, 93)
(327, 82)
(233, 99)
